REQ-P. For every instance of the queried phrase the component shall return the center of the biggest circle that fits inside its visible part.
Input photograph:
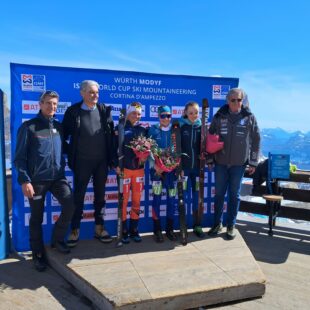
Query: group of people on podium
(88, 137)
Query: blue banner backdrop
(4, 213)
(118, 89)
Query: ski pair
(120, 177)
(176, 140)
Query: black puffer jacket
(190, 141)
(240, 134)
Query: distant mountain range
(297, 144)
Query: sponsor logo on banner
(111, 197)
(141, 212)
(30, 107)
(27, 218)
(224, 209)
(212, 207)
(111, 181)
(62, 107)
(33, 82)
(212, 191)
(55, 216)
(162, 212)
(177, 111)
(153, 111)
(89, 198)
(88, 216)
(219, 92)
(115, 108)
(110, 214)
(55, 202)
(33, 107)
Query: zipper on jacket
(53, 147)
(192, 147)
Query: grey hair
(235, 91)
(48, 93)
(84, 84)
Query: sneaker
(61, 247)
(102, 234)
(39, 261)
(171, 235)
(135, 236)
(215, 230)
(73, 238)
(198, 232)
(231, 232)
(158, 236)
(125, 238)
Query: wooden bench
(292, 203)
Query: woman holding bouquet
(190, 139)
(133, 171)
(163, 176)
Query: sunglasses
(236, 100)
(163, 116)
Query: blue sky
(263, 43)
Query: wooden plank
(292, 212)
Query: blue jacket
(162, 138)
(190, 142)
(38, 154)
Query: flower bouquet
(142, 147)
(165, 159)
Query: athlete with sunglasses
(161, 133)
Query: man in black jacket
(237, 127)
(40, 166)
(89, 127)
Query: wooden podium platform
(167, 275)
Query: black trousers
(62, 192)
(84, 169)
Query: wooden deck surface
(283, 258)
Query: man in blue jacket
(40, 165)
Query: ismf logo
(219, 92)
(33, 82)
